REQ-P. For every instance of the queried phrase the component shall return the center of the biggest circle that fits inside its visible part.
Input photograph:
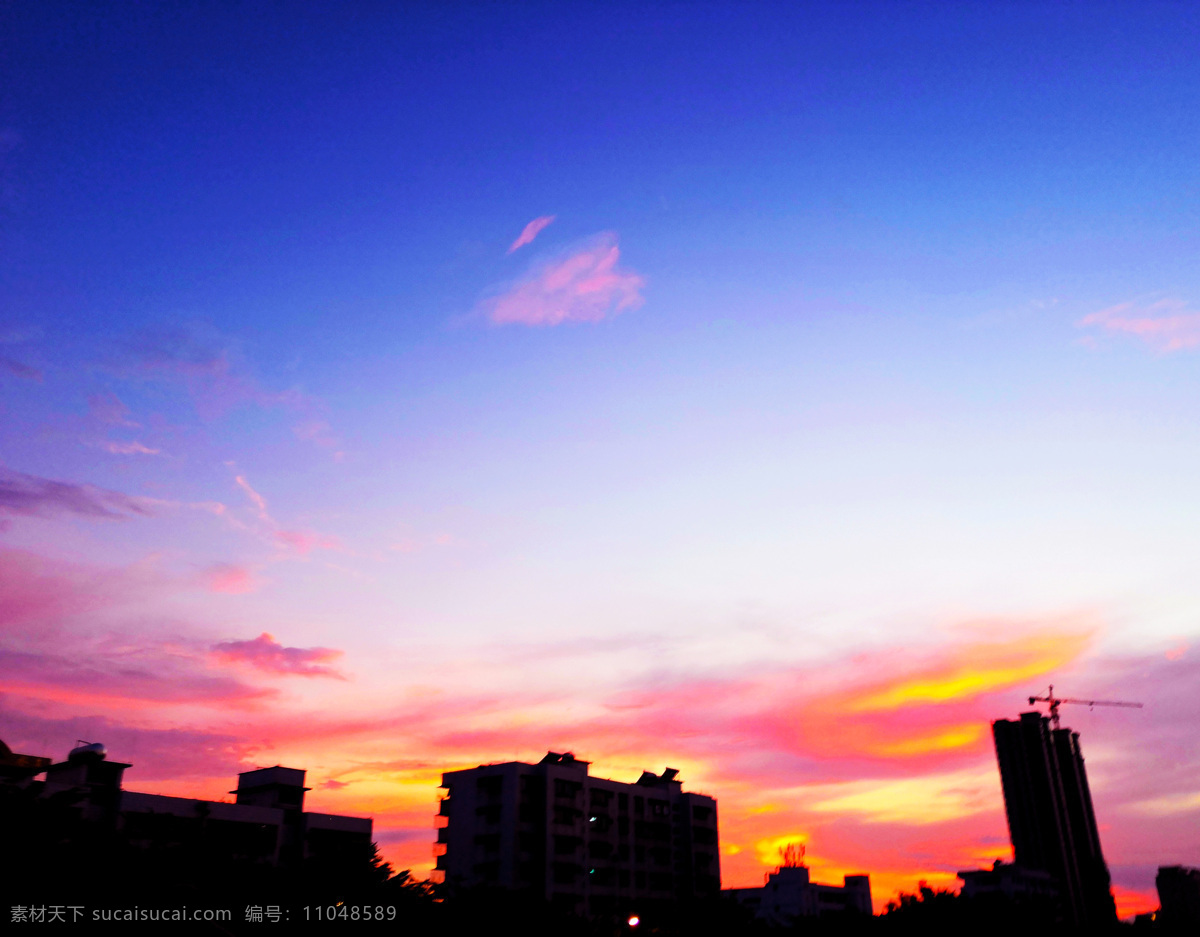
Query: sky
(777, 392)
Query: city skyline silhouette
(781, 392)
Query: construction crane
(1056, 701)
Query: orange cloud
(929, 710)
(1131, 902)
(973, 670)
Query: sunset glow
(773, 394)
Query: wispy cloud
(128, 448)
(265, 653)
(157, 753)
(18, 369)
(230, 578)
(532, 230)
(584, 285)
(301, 541)
(259, 502)
(41, 592)
(305, 541)
(209, 365)
(32, 496)
(86, 677)
(1166, 324)
(109, 409)
(68, 642)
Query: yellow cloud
(770, 851)
(913, 801)
(939, 740)
(978, 669)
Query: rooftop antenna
(1056, 701)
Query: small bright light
(635, 921)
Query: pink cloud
(156, 753)
(1165, 325)
(532, 230)
(304, 541)
(128, 448)
(35, 589)
(59, 646)
(230, 578)
(301, 541)
(125, 677)
(265, 653)
(319, 433)
(33, 496)
(259, 502)
(584, 286)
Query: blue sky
(850, 333)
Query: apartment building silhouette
(587, 844)
(266, 824)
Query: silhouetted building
(16, 768)
(1050, 816)
(588, 844)
(789, 894)
(1012, 883)
(267, 823)
(1178, 897)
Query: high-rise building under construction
(1050, 816)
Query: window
(598, 849)
(488, 871)
(565, 873)
(566, 789)
(600, 822)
